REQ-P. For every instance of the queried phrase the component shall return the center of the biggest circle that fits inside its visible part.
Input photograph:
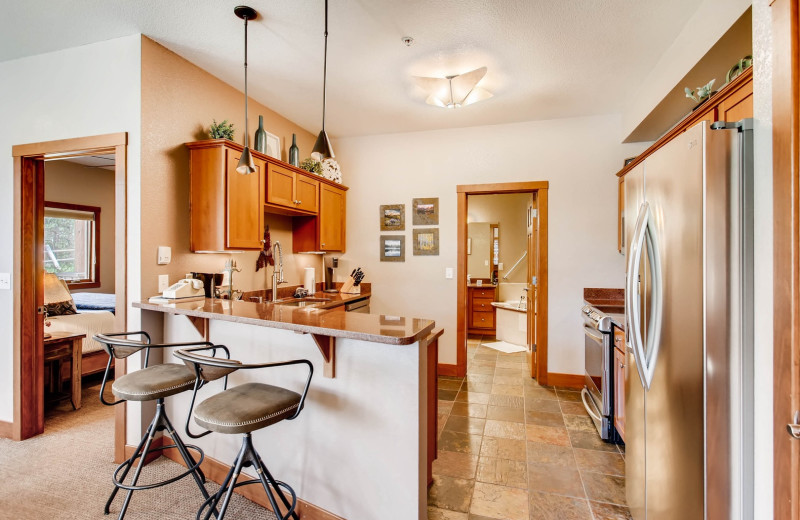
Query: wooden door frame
(540, 188)
(786, 248)
(28, 353)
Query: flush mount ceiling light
(454, 91)
(323, 148)
(246, 165)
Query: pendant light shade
(322, 148)
(246, 165)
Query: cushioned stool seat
(154, 382)
(246, 408)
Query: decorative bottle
(294, 152)
(261, 136)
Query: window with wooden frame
(72, 243)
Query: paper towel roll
(310, 282)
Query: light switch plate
(500, 266)
(448, 272)
(163, 282)
(164, 255)
(5, 281)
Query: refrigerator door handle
(631, 291)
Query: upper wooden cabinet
(325, 232)
(287, 188)
(731, 103)
(226, 206)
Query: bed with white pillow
(63, 317)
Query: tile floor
(511, 449)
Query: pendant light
(246, 165)
(322, 148)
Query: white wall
(762, 107)
(75, 92)
(578, 156)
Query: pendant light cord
(325, 69)
(246, 125)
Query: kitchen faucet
(277, 271)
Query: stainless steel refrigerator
(688, 310)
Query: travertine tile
(544, 418)
(511, 449)
(542, 405)
(610, 511)
(484, 388)
(604, 488)
(450, 493)
(507, 390)
(471, 425)
(453, 464)
(590, 441)
(568, 395)
(460, 442)
(434, 513)
(444, 406)
(544, 454)
(495, 501)
(547, 434)
(504, 413)
(517, 364)
(512, 372)
(512, 401)
(600, 462)
(540, 393)
(568, 407)
(579, 422)
(512, 473)
(469, 409)
(480, 378)
(555, 479)
(505, 429)
(547, 506)
(480, 370)
(508, 380)
(472, 397)
(450, 384)
(447, 395)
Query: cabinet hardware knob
(621, 365)
(323, 245)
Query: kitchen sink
(302, 302)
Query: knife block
(349, 288)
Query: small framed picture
(393, 217)
(425, 212)
(393, 248)
(273, 146)
(629, 160)
(426, 242)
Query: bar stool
(244, 409)
(150, 383)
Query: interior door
(533, 271)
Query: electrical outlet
(448, 272)
(5, 281)
(500, 266)
(163, 282)
(164, 255)
(485, 262)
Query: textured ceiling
(546, 58)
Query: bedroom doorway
(29, 264)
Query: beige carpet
(65, 473)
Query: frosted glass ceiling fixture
(246, 165)
(454, 91)
(323, 148)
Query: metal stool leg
(263, 471)
(214, 500)
(232, 483)
(129, 463)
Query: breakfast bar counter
(359, 450)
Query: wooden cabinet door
(306, 192)
(280, 186)
(621, 216)
(244, 212)
(620, 369)
(332, 221)
(738, 105)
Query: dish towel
(265, 257)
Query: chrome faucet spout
(277, 272)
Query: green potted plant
(223, 130)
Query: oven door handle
(584, 396)
(594, 334)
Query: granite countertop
(337, 299)
(392, 330)
(609, 301)
(482, 286)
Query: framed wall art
(426, 242)
(273, 146)
(393, 217)
(393, 248)
(425, 212)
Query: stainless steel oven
(597, 393)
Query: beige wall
(77, 184)
(179, 101)
(508, 211)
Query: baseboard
(447, 370)
(6, 430)
(565, 380)
(157, 443)
(216, 472)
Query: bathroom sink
(302, 302)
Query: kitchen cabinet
(286, 188)
(620, 372)
(226, 207)
(326, 231)
(480, 312)
(731, 103)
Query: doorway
(531, 260)
(28, 274)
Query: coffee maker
(330, 267)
